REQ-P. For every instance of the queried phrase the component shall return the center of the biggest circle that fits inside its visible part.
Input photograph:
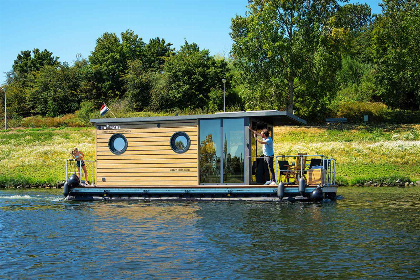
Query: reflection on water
(368, 234)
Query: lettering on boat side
(179, 170)
(106, 127)
(119, 131)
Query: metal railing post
(67, 170)
(93, 173)
(275, 164)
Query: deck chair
(295, 170)
(315, 162)
(284, 168)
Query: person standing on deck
(78, 156)
(268, 152)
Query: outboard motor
(302, 186)
(317, 194)
(71, 183)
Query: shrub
(14, 121)
(119, 108)
(402, 116)
(380, 181)
(215, 100)
(38, 121)
(86, 110)
(354, 111)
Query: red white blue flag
(104, 109)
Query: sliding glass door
(210, 151)
(222, 151)
(233, 151)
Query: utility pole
(5, 110)
(224, 95)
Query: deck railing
(301, 163)
(71, 168)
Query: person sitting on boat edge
(268, 151)
(78, 156)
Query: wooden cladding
(149, 159)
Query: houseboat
(197, 157)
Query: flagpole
(110, 110)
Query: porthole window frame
(175, 148)
(112, 140)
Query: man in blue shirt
(268, 152)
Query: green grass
(36, 157)
(381, 154)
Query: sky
(68, 28)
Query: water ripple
(364, 235)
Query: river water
(365, 235)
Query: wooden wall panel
(149, 159)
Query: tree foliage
(283, 44)
(190, 75)
(396, 46)
(109, 62)
(143, 71)
(27, 62)
(307, 56)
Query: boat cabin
(195, 150)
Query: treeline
(150, 76)
(314, 57)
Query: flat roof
(270, 116)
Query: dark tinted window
(118, 144)
(180, 142)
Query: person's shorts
(80, 162)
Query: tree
(142, 72)
(155, 54)
(18, 91)
(109, 62)
(22, 79)
(279, 42)
(396, 45)
(355, 78)
(26, 62)
(56, 91)
(139, 83)
(188, 77)
(353, 23)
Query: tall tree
(27, 62)
(22, 79)
(353, 22)
(396, 44)
(139, 83)
(278, 41)
(189, 76)
(109, 62)
(155, 53)
(142, 72)
(55, 91)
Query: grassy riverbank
(36, 157)
(379, 155)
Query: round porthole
(180, 142)
(117, 144)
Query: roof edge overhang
(278, 117)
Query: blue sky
(70, 27)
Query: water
(366, 235)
